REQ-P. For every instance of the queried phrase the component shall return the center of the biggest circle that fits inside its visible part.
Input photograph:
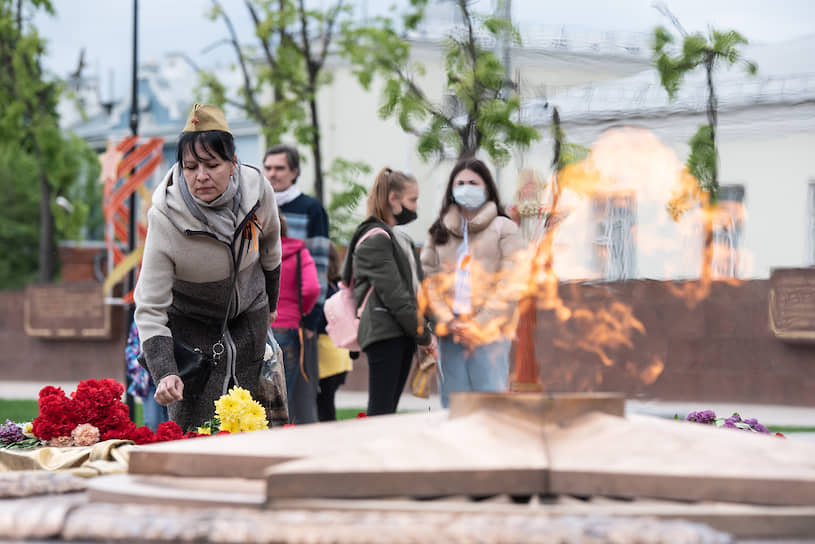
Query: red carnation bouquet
(96, 404)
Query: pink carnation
(61, 442)
(85, 435)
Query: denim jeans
(484, 369)
(154, 413)
(289, 340)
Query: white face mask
(470, 197)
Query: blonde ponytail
(387, 181)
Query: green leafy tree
(34, 153)
(344, 208)
(482, 111)
(287, 60)
(19, 230)
(708, 53)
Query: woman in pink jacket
(296, 301)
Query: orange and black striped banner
(126, 167)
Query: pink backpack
(341, 314)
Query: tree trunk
(709, 205)
(469, 141)
(47, 248)
(315, 147)
(712, 107)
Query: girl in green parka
(389, 326)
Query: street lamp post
(131, 232)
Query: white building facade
(765, 138)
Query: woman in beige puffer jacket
(467, 261)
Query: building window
(614, 250)
(728, 222)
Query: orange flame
(626, 167)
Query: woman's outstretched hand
(169, 390)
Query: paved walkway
(800, 416)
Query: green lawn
(348, 413)
(787, 429)
(26, 410)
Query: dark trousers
(326, 409)
(388, 368)
(303, 399)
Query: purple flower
(705, 417)
(757, 427)
(11, 432)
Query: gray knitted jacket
(186, 282)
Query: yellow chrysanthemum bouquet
(236, 412)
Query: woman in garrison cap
(211, 268)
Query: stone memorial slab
(643, 456)
(178, 491)
(477, 454)
(513, 445)
(792, 304)
(67, 310)
(247, 455)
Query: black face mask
(405, 216)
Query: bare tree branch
(264, 41)
(306, 44)
(331, 20)
(251, 103)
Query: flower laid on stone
(93, 413)
(17, 436)
(85, 435)
(10, 433)
(708, 417)
(238, 412)
(61, 442)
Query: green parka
(392, 309)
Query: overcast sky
(104, 27)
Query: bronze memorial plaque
(792, 304)
(67, 310)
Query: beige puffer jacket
(494, 242)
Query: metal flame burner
(558, 408)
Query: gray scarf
(221, 215)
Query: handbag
(194, 367)
(341, 312)
(272, 384)
(424, 370)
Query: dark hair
(215, 142)
(334, 263)
(284, 226)
(438, 231)
(292, 156)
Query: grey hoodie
(185, 285)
